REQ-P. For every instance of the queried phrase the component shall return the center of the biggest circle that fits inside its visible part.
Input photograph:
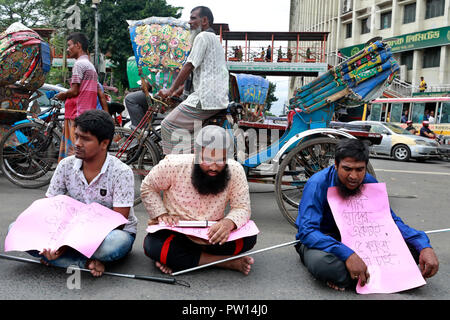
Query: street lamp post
(95, 3)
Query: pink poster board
(61, 220)
(366, 226)
(247, 230)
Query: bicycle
(29, 150)
(139, 148)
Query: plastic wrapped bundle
(357, 80)
(253, 93)
(161, 46)
(24, 57)
(24, 62)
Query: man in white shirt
(207, 63)
(92, 175)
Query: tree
(271, 98)
(31, 13)
(113, 34)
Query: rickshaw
(307, 145)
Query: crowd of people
(199, 181)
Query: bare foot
(243, 264)
(96, 267)
(163, 268)
(335, 287)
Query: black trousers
(178, 252)
(327, 267)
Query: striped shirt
(84, 74)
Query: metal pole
(114, 274)
(96, 38)
(235, 257)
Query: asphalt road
(419, 194)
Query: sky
(248, 15)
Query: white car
(43, 100)
(399, 143)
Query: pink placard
(61, 220)
(366, 226)
(247, 230)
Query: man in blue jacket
(320, 249)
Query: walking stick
(114, 274)
(263, 250)
(235, 257)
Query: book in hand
(192, 224)
(249, 229)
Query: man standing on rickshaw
(207, 64)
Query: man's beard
(205, 184)
(194, 33)
(345, 192)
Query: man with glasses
(198, 187)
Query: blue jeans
(115, 246)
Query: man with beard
(207, 64)
(320, 249)
(198, 187)
(92, 175)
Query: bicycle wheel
(140, 158)
(297, 167)
(29, 154)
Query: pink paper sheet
(61, 220)
(366, 226)
(248, 229)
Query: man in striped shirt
(82, 95)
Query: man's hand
(357, 269)
(168, 219)
(60, 96)
(164, 93)
(50, 254)
(428, 263)
(220, 231)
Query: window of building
(431, 57)
(407, 58)
(348, 30)
(409, 13)
(434, 8)
(386, 19)
(365, 28)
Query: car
(43, 101)
(399, 143)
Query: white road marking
(417, 172)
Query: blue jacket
(317, 228)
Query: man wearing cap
(426, 132)
(410, 127)
(198, 187)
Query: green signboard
(411, 41)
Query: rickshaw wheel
(297, 167)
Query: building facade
(417, 30)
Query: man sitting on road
(426, 132)
(320, 248)
(92, 175)
(198, 187)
